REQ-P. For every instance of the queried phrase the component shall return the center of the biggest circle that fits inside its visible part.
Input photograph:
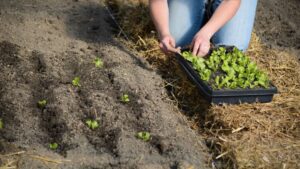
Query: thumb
(161, 45)
(172, 42)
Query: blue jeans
(186, 18)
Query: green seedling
(145, 136)
(218, 82)
(53, 146)
(205, 75)
(42, 103)
(76, 82)
(125, 98)
(98, 63)
(1, 124)
(199, 65)
(92, 124)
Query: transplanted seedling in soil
(76, 82)
(1, 124)
(53, 146)
(42, 103)
(92, 124)
(98, 63)
(143, 135)
(125, 98)
(225, 69)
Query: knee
(239, 41)
(242, 46)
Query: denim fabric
(186, 17)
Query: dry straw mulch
(239, 136)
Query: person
(182, 22)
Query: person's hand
(201, 43)
(167, 44)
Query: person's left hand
(167, 44)
(201, 43)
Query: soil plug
(76, 82)
(145, 136)
(92, 124)
(98, 63)
(125, 98)
(53, 146)
(1, 124)
(42, 103)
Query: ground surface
(43, 46)
(277, 24)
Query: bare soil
(43, 46)
(277, 24)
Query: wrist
(164, 34)
(207, 32)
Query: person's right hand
(167, 44)
(201, 43)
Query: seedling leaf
(125, 98)
(42, 103)
(92, 124)
(143, 135)
(98, 63)
(53, 146)
(76, 82)
(1, 124)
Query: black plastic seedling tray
(230, 96)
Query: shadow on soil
(86, 23)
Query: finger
(191, 45)
(178, 49)
(172, 42)
(204, 48)
(162, 48)
(196, 48)
(174, 50)
(199, 52)
(168, 48)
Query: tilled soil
(44, 45)
(277, 24)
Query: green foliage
(92, 124)
(42, 103)
(125, 98)
(143, 135)
(198, 64)
(205, 74)
(53, 146)
(98, 63)
(262, 79)
(228, 69)
(76, 82)
(1, 124)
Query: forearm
(160, 16)
(223, 14)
